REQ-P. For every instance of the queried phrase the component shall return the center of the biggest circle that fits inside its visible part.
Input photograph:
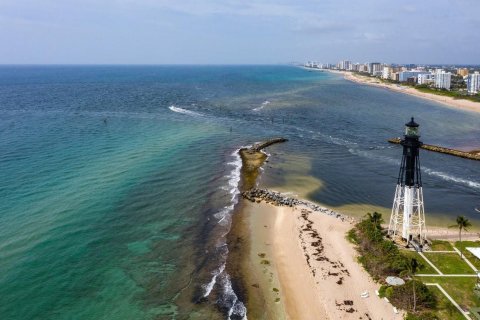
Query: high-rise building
(386, 72)
(462, 72)
(442, 79)
(425, 78)
(363, 68)
(344, 65)
(374, 67)
(473, 83)
(403, 76)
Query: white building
(473, 83)
(386, 72)
(442, 79)
(404, 75)
(425, 78)
(363, 68)
(344, 65)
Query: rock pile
(277, 199)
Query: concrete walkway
(429, 262)
(466, 260)
(451, 299)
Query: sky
(238, 31)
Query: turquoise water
(118, 183)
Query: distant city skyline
(238, 32)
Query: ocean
(118, 183)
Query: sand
(311, 270)
(463, 104)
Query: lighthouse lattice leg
(396, 217)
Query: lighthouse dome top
(412, 123)
(411, 129)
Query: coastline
(311, 264)
(465, 105)
(292, 260)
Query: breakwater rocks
(262, 145)
(277, 199)
(473, 155)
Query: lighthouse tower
(408, 215)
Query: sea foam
(184, 111)
(263, 105)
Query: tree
(410, 269)
(375, 218)
(462, 224)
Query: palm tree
(375, 218)
(411, 266)
(462, 224)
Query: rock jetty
(262, 145)
(277, 199)
(473, 155)
(252, 159)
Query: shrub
(381, 291)
(389, 292)
(402, 296)
(421, 316)
(379, 257)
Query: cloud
(322, 27)
(370, 36)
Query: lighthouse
(408, 215)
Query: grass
(453, 94)
(474, 260)
(460, 289)
(425, 267)
(449, 263)
(441, 245)
(445, 309)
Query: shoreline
(462, 104)
(311, 270)
(291, 258)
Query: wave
(428, 171)
(448, 177)
(209, 286)
(227, 300)
(185, 111)
(263, 105)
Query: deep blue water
(118, 182)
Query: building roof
(474, 251)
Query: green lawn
(441, 245)
(449, 263)
(460, 289)
(474, 260)
(425, 267)
(445, 309)
(453, 94)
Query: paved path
(451, 299)
(429, 262)
(466, 260)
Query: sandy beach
(463, 104)
(312, 266)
